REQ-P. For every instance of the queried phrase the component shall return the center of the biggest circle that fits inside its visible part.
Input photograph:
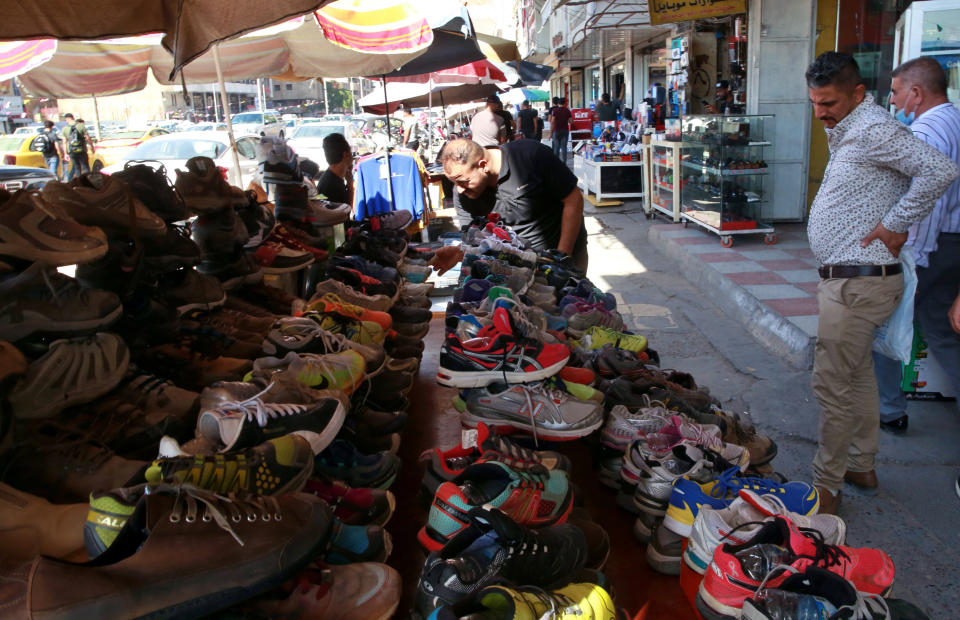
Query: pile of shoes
(167, 413)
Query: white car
(255, 123)
(307, 140)
(173, 150)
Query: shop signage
(671, 11)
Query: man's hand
(446, 257)
(710, 109)
(955, 315)
(893, 240)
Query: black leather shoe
(897, 427)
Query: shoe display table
(611, 179)
(433, 422)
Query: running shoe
(304, 335)
(149, 183)
(276, 257)
(596, 337)
(534, 496)
(334, 371)
(353, 506)
(33, 227)
(574, 601)
(363, 332)
(342, 461)
(498, 354)
(97, 199)
(647, 477)
(350, 295)
(204, 188)
(331, 303)
(349, 544)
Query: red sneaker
(354, 506)
(774, 553)
(498, 353)
(583, 376)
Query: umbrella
(518, 95)
(474, 72)
(530, 72)
(503, 49)
(454, 41)
(414, 95)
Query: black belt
(854, 271)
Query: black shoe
(410, 314)
(897, 427)
(151, 187)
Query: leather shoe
(897, 427)
(863, 481)
(829, 503)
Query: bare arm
(571, 222)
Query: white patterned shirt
(878, 171)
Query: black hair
(925, 72)
(48, 124)
(605, 97)
(556, 101)
(833, 68)
(334, 146)
(461, 151)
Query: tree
(340, 99)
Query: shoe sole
(649, 505)
(28, 251)
(712, 609)
(319, 441)
(642, 531)
(473, 379)
(181, 310)
(663, 564)
(625, 501)
(238, 281)
(693, 562)
(506, 427)
(17, 331)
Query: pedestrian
(605, 110)
(919, 93)
(509, 125)
(76, 141)
(534, 193)
(538, 131)
(879, 180)
(487, 126)
(528, 118)
(411, 130)
(560, 128)
(52, 148)
(336, 183)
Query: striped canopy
(479, 72)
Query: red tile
(801, 253)
(810, 287)
(784, 265)
(694, 240)
(757, 277)
(722, 257)
(794, 307)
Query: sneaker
(277, 161)
(364, 283)
(688, 496)
(35, 227)
(304, 335)
(39, 299)
(332, 303)
(777, 550)
(204, 188)
(498, 355)
(819, 593)
(651, 475)
(582, 316)
(394, 220)
(481, 446)
(188, 290)
(233, 273)
(533, 496)
(538, 409)
(679, 431)
(71, 372)
(381, 303)
(404, 313)
(275, 257)
(153, 394)
(348, 592)
(219, 233)
(337, 371)
(188, 366)
(349, 544)
(289, 238)
(494, 548)
(742, 519)
(151, 186)
(341, 461)
(326, 213)
(275, 467)
(95, 199)
(369, 268)
(624, 426)
(665, 551)
(354, 506)
(596, 337)
(575, 601)
(173, 250)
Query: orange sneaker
(331, 303)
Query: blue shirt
(940, 128)
(371, 186)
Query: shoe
(480, 446)
(188, 290)
(341, 461)
(380, 303)
(816, 592)
(150, 186)
(369, 268)
(95, 199)
(665, 551)
(493, 548)
(233, 273)
(535, 408)
(596, 337)
(864, 482)
(204, 188)
(575, 601)
(350, 544)
(293, 240)
(897, 426)
(293, 203)
(688, 496)
(331, 303)
(333, 371)
(364, 591)
(354, 506)
(252, 545)
(366, 284)
(624, 426)
(304, 335)
(582, 316)
(414, 302)
(71, 372)
(412, 330)
(156, 395)
(648, 477)
(740, 521)
(41, 300)
(173, 250)
(404, 313)
(31, 526)
(275, 467)
(498, 355)
(220, 234)
(277, 161)
(534, 496)
(394, 220)
(679, 430)
(366, 443)
(36, 227)
(272, 298)
(275, 257)
(777, 550)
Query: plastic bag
(895, 337)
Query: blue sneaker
(688, 496)
(342, 461)
(357, 543)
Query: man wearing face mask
(919, 94)
(879, 180)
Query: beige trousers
(843, 379)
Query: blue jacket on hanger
(372, 196)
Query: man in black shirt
(528, 120)
(509, 126)
(337, 181)
(531, 189)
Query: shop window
(866, 30)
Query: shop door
(780, 40)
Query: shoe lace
(729, 480)
(192, 503)
(549, 395)
(554, 602)
(825, 554)
(257, 410)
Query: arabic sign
(671, 11)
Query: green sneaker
(356, 330)
(496, 292)
(275, 467)
(596, 337)
(109, 512)
(343, 371)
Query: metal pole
(187, 101)
(96, 117)
(386, 112)
(216, 108)
(430, 114)
(326, 105)
(223, 97)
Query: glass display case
(665, 157)
(724, 173)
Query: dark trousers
(80, 164)
(560, 144)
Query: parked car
(115, 145)
(13, 178)
(207, 127)
(307, 140)
(27, 130)
(22, 150)
(173, 150)
(255, 123)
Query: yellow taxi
(113, 146)
(21, 150)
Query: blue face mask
(906, 119)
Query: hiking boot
(188, 290)
(32, 526)
(354, 506)
(381, 303)
(151, 187)
(32, 227)
(71, 372)
(41, 300)
(95, 199)
(342, 461)
(204, 188)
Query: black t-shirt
(333, 187)
(526, 118)
(606, 112)
(529, 194)
(507, 122)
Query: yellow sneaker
(596, 337)
(577, 601)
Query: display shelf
(613, 179)
(725, 172)
(665, 157)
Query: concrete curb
(769, 327)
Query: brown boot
(863, 481)
(31, 526)
(829, 503)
